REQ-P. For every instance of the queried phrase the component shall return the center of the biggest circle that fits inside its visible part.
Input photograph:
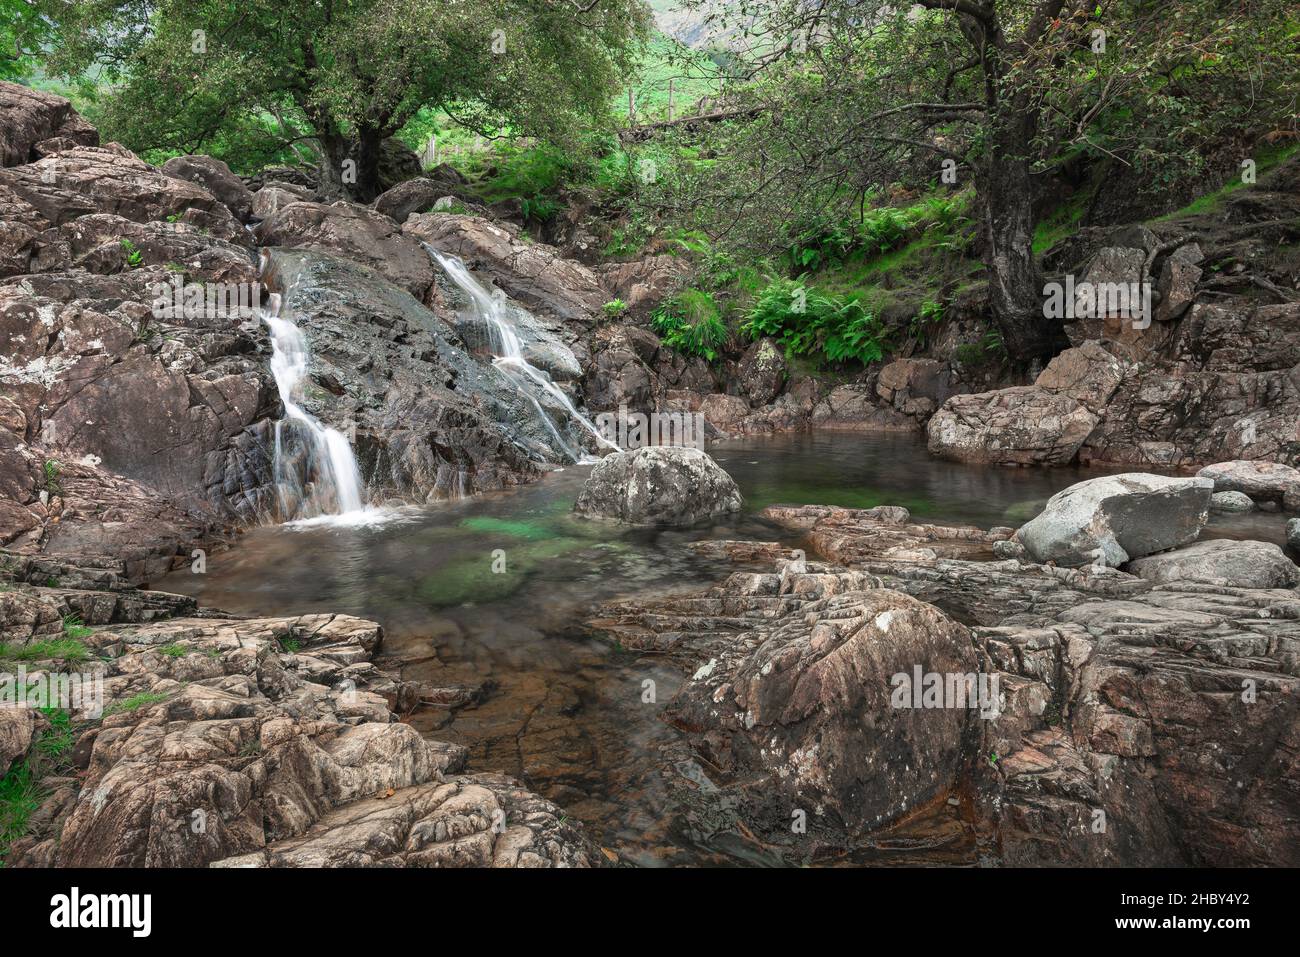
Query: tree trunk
(1015, 283)
(350, 166)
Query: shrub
(691, 322)
(809, 322)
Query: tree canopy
(253, 77)
(840, 98)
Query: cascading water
(316, 474)
(508, 352)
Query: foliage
(345, 75)
(809, 322)
(65, 649)
(691, 322)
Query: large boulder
(216, 177)
(30, 117)
(1113, 519)
(658, 485)
(1245, 564)
(1025, 425)
(1263, 481)
(412, 196)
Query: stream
(563, 711)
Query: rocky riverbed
(1146, 675)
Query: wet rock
(532, 273)
(1025, 425)
(28, 117)
(1231, 502)
(1293, 533)
(356, 233)
(432, 420)
(850, 536)
(1110, 520)
(1240, 564)
(214, 176)
(1262, 481)
(658, 486)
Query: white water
(326, 487)
(508, 353)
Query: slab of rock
(1262, 481)
(1113, 519)
(214, 176)
(1087, 373)
(1240, 564)
(1025, 425)
(1293, 533)
(658, 485)
(762, 372)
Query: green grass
(65, 649)
(74, 630)
(20, 796)
(133, 702)
(1265, 160)
(174, 651)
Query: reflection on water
(490, 593)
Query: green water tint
(473, 579)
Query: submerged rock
(1240, 564)
(1110, 520)
(658, 485)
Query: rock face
(268, 742)
(1264, 482)
(1244, 564)
(658, 486)
(1115, 518)
(412, 196)
(1019, 426)
(1120, 700)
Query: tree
(850, 95)
(344, 75)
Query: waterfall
(508, 353)
(318, 480)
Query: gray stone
(1262, 481)
(1113, 519)
(1246, 564)
(658, 486)
(1231, 502)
